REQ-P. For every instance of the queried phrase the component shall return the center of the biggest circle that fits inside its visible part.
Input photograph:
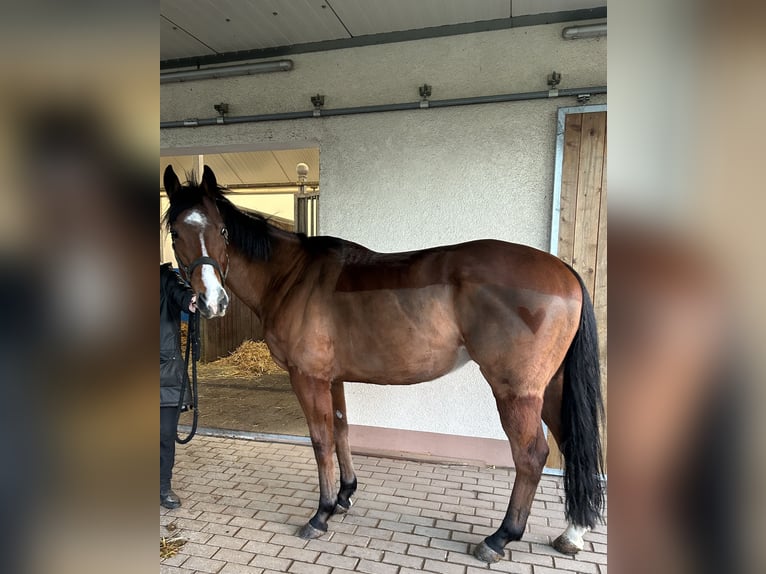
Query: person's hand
(193, 304)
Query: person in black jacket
(175, 297)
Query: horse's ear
(172, 184)
(209, 184)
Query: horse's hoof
(484, 553)
(308, 532)
(342, 508)
(565, 546)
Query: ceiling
(199, 32)
(255, 169)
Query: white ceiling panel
(198, 28)
(529, 7)
(232, 25)
(246, 168)
(249, 168)
(177, 43)
(364, 17)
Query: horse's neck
(255, 281)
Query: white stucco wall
(406, 180)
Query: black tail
(582, 411)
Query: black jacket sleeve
(175, 288)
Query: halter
(204, 260)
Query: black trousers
(168, 423)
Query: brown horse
(523, 315)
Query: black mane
(321, 244)
(249, 233)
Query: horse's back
(405, 317)
(486, 260)
(512, 266)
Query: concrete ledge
(400, 444)
(428, 446)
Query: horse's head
(199, 239)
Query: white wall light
(589, 31)
(226, 71)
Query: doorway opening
(241, 390)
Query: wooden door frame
(561, 119)
(556, 200)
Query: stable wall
(406, 180)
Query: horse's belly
(398, 337)
(416, 366)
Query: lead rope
(192, 352)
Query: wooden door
(581, 224)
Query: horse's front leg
(315, 399)
(347, 475)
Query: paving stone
(232, 568)
(363, 553)
(432, 553)
(196, 549)
(204, 564)
(443, 567)
(574, 565)
(453, 545)
(262, 548)
(530, 558)
(227, 542)
(271, 563)
(376, 567)
(502, 566)
(299, 554)
(399, 547)
(306, 568)
(325, 546)
(336, 561)
(235, 556)
(403, 560)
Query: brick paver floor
(243, 502)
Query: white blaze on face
(214, 291)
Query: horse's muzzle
(214, 308)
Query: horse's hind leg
(552, 405)
(570, 541)
(315, 399)
(342, 449)
(520, 417)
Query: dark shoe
(169, 499)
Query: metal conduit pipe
(371, 109)
(587, 31)
(226, 71)
(499, 98)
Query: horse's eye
(225, 233)
(173, 234)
